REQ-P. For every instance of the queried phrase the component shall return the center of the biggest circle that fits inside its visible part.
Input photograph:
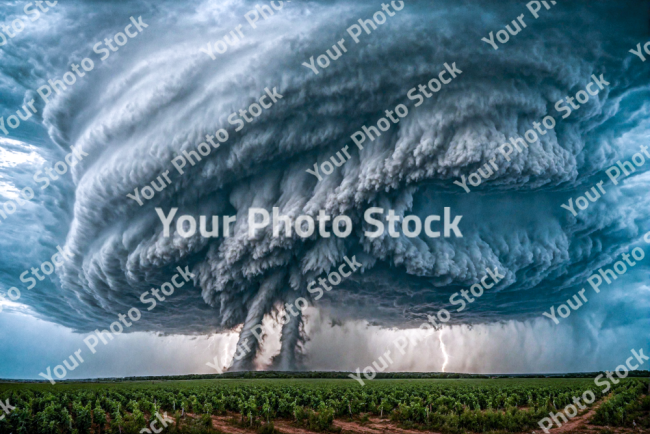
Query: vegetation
(626, 408)
(337, 375)
(451, 406)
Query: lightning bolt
(444, 351)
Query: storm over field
(156, 97)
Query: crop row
(423, 404)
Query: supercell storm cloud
(156, 97)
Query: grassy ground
(304, 383)
(299, 405)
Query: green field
(306, 384)
(447, 405)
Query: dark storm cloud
(160, 95)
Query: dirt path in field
(222, 423)
(374, 426)
(580, 424)
(285, 427)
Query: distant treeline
(330, 375)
